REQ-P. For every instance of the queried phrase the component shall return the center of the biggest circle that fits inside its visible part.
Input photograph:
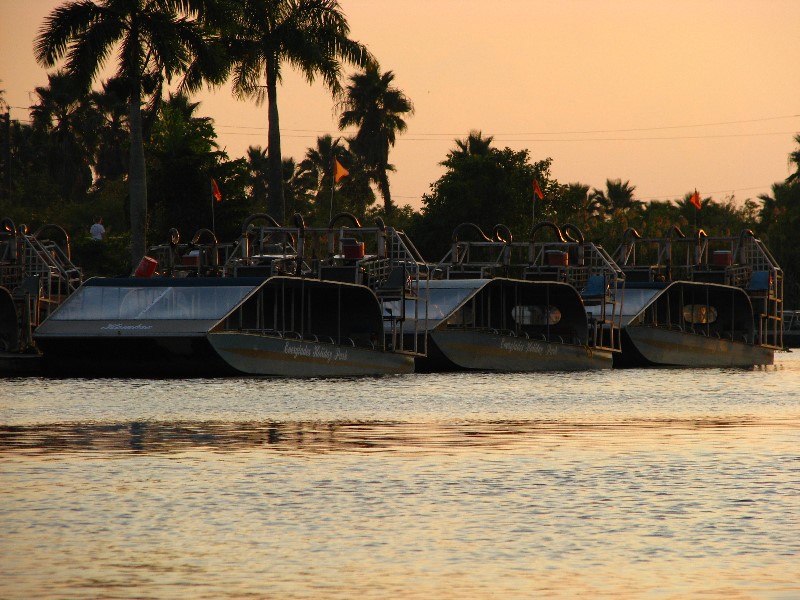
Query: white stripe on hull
(493, 352)
(675, 348)
(262, 355)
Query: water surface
(641, 484)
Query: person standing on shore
(97, 231)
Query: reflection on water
(315, 437)
(640, 484)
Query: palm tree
(316, 172)
(473, 145)
(576, 204)
(182, 154)
(618, 197)
(317, 166)
(111, 106)
(63, 114)
(310, 35)
(155, 39)
(377, 109)
(257, 174)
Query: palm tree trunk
(275, 200)
(383, 186)
(137, 181)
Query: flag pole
(333, 174)
(213, 219)
(537, 193)
(696, 202)
(333, 185)
(338, 172)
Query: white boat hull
(255, 354)
(666, 347)
(485, 351)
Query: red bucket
(191, 259)
(722, 258)
(146, 267)
(354, 251)
(556, 258)
(352, 248)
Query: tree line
(136, 148)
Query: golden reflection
(327, 437)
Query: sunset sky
(671, 96)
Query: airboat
(699, 301)
(280, 301)
(36, 276)
(500, 305)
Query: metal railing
(39, 273)
(741, 261)
(566, 258)
(379, 257)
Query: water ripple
(638, 484)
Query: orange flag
(537, 190)
(215, 190)
(695, 199)
(339, 171)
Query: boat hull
(645, 346)
(254, 354)
(485, 351)
(163, 356)
(20, 364)
(791, 339)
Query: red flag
(695, 200)
(537, 190)
(339, 171)
(215, 190)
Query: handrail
(473, 226)
(566, 228)
(550, 225)
(675, 229)
(248, 230)
(300, 246)
(249, 221)
(740, 242)
(700, 250)
(349, 216)
(630, 231)
(502, 233)
(199, 234)
(58, 228)
(627, 248)
(8, 224)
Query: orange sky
(671, 96)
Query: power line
(657, 128)
(564, 140)
(506, 137)
(647, 139)
(564, 132)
